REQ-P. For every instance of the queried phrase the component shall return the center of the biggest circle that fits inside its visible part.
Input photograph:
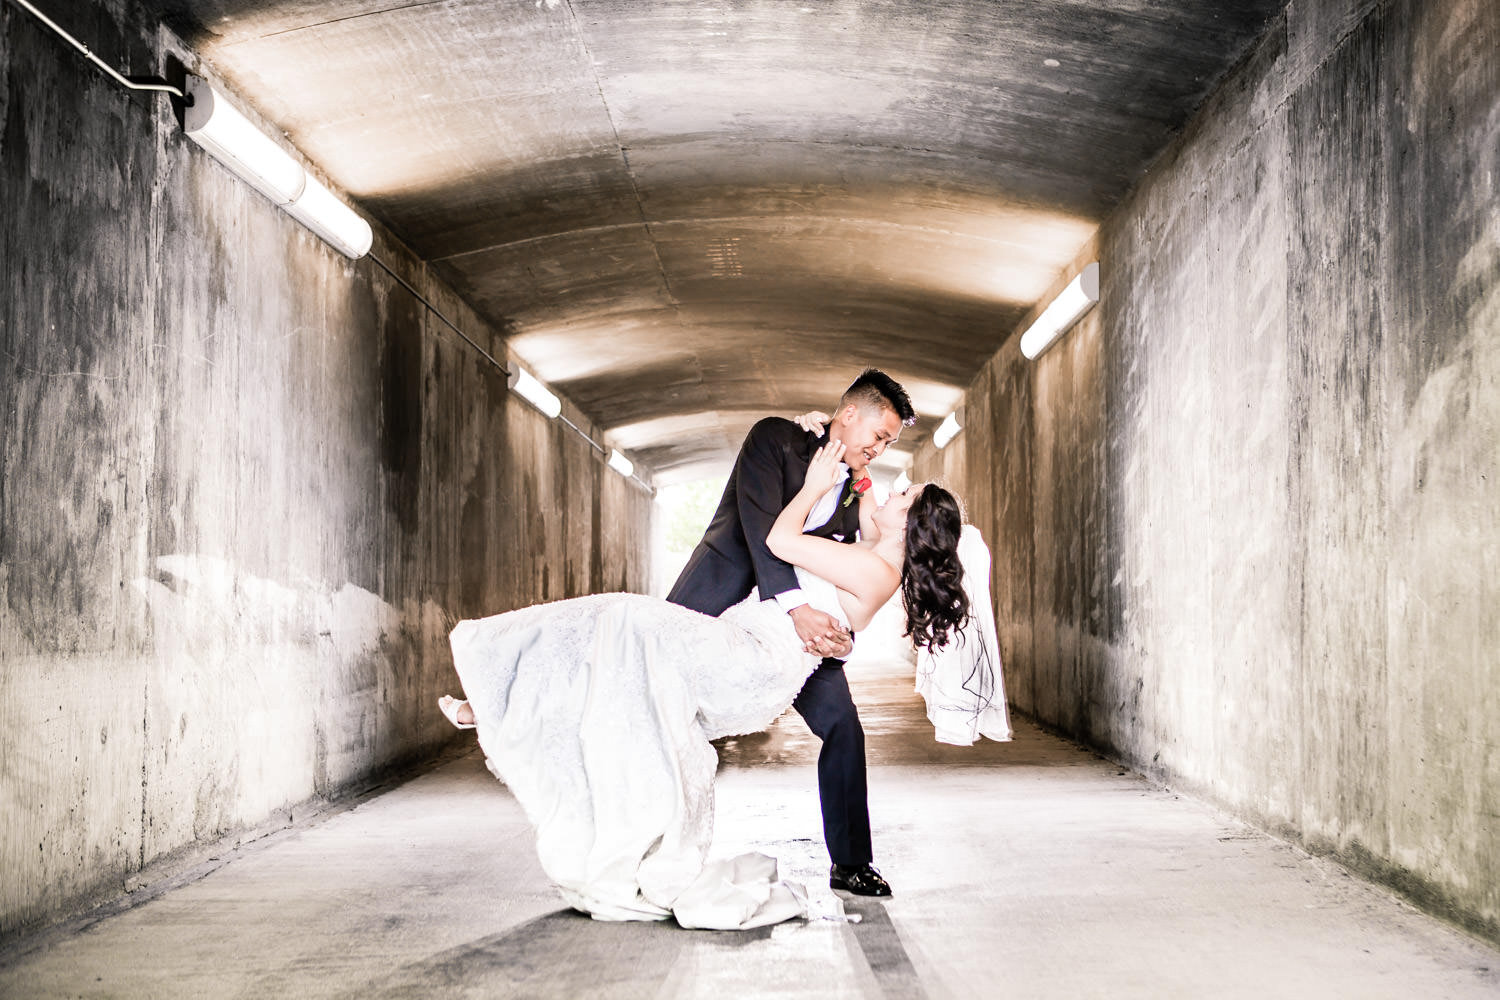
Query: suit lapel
(797, 475)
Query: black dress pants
(828, 708)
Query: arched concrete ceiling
(688, 214)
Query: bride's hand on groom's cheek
(823, 469)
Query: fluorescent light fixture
(620, 463)
(216, 125)
(901, 482)
(318, 210)
(1069, 306)
(947, 430)
(525, 385)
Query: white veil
(961, 682)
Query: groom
(733, 557)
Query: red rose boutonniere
(859, 489)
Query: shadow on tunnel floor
(562, 954)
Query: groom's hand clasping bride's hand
(820, 632)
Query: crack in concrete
(337, 20)
(635, 189)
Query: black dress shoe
(862, 880)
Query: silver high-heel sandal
(449, 707)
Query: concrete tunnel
(1242, 513)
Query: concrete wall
(248, 486)
(1244, 515)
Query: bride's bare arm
(865, 581)
(856, 570)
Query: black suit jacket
(733, 557)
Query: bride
(597, 711)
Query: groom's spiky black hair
(875, 388)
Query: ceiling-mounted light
(901, 482)
(525, 385)
(1069, 306)
(620, 463)
(318, 210)
(947, 430)
(216, 125)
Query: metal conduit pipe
(122, 81)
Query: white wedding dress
(961, 681)
(597, 713)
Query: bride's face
(891, 517)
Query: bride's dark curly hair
(932, 578)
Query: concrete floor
(1028, 869)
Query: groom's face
(866, 433)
